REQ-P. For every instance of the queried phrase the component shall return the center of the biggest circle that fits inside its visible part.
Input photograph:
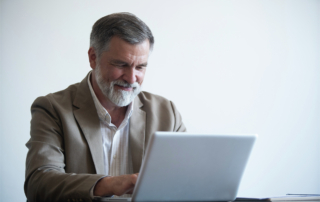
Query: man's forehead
(116, 43)
(120, 50)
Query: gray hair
(124, 25)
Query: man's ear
(92, 57)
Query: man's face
(119, 72)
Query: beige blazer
(65, 157)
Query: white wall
(229, 66)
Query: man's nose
(130, 75)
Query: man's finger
(134, 178)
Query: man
(89, 139)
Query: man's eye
(120, 65)
(141, 67)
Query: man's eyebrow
(120, 62)
(143, 64)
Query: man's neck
(117, 113)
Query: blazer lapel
(89, 122)
(137, 134)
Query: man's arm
(46, 179)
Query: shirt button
(114, 156)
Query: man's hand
(118, 185)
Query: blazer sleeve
(46, 179)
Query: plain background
(229, 66)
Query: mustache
(125, 84)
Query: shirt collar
(103, 114)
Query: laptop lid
(192, 167)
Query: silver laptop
(191, 167)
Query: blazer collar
(88, 120)
(137, 134)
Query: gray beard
(120, 98)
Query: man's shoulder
(162, 114)
(150, 98)
(153, 102)
(65, 96)
(73, 94)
